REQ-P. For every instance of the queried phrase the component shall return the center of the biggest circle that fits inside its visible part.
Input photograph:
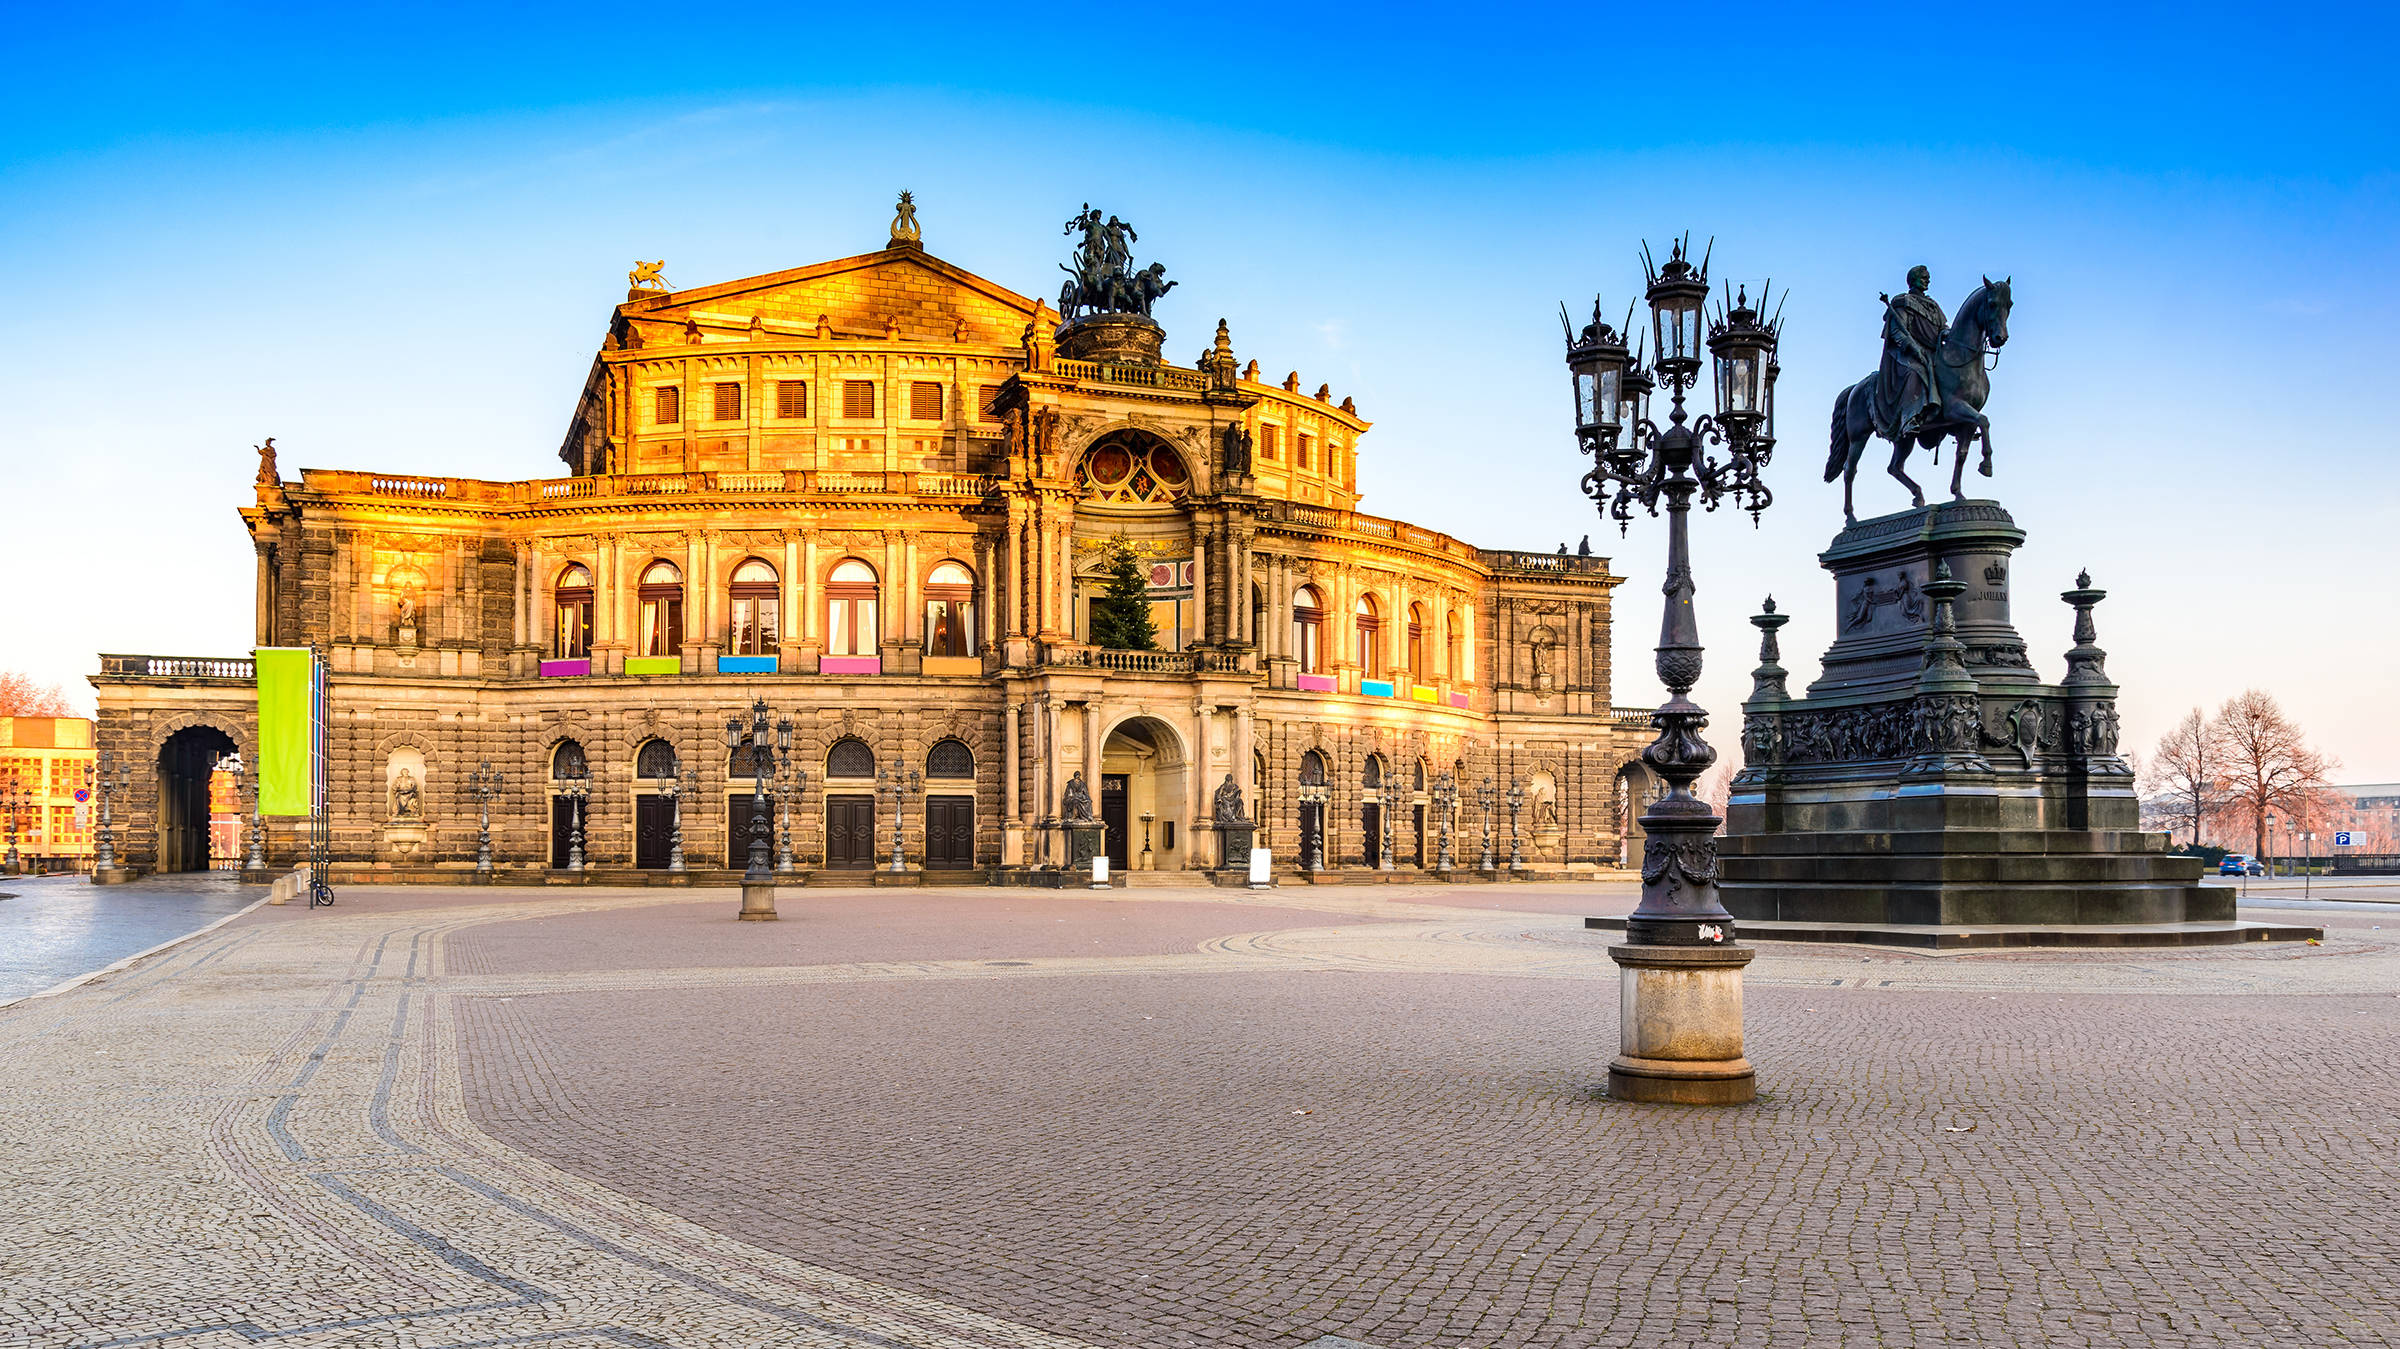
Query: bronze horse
(1960, 383)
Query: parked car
(2241, 864)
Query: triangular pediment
(929, 300)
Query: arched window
(662, 609)
(850, 626)
(757, 609)
(655, 759)
(1416, 642)
(1258, 615)
(1369, 623)
(849, 758)
(1312, 769)
(1417, 779)
(1450, 635)
(950, 759)
(1372, 776)
(950, 611)
(746, 761)
(573, 593)
(567, 762)
(1308, 629)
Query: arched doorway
(1636, 788)
(1144, 800)
(1313, 793)
(187, 768)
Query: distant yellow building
(46, 787)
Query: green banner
(286, 734)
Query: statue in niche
(1227, 808)
(1541, 640)
(407, 800)
(1076, 807)
(1237, 449)
(407, 611)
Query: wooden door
(1113, 788)
(949, 832)
(1370, 818)
(1312, 829)
(653, 831)
(739, 807)
(1420, 813)
(562, 828)
(850, 830)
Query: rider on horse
(1906, 391)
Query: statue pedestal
(1113, 339)
(1086, 839)
(404, 838)
(1233, 845)
(1680, 1026)
(1927, 783)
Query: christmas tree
(1121, 614)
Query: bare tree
(2270, 768)
(2187, 773)
(21, 697)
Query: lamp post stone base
(1681, 1018)
(110, 876)
(758, 903)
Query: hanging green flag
(286, 728)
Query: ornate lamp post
(898, 782)
(1516, 808)
(766, 742)
(682, 783)
(576, 792)
(254, 851)
(485, 783)
(795, 781)
(1445, 806)
(1315, 794)
(1682, 1027)
(114, 777)
(1486, 798)
(14, 799)
(1383, 816)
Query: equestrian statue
(1930, 387)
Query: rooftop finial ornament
(645, 276)
(905, 233)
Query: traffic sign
(2342, 839)
(83, 793)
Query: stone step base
(1969, 937)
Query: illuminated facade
(879, 493)
(46, 781)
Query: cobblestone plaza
(1175, 1117)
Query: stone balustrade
(239, 669)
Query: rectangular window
(1267, 448)
(791, 399)
(858, 399)
(729, 402)
(668, 407)
(850, 626)
(984, 398)
(574, 641)
(1301, 456)
(924, 401)
(950, 627)
(756, 631)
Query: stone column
(1012, 762)
(792, 585)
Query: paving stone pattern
(446, 1119)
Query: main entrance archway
(187, 765)
(1144, 800)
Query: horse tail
(1840, 457)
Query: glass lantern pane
(1745, 386)
(1585, 393)
(1610, 380)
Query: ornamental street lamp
(686, 781)
(114, 777)
(766, 741)
(795, 782)
(1486, 797)
(485, 783)
(1516, 807)
(1681, 969)
(1313, 794)
(254, 855)
(576, 792)
(1445, 807)
(14, 799)
(899, 782)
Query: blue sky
(390, 239)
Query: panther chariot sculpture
(1930, 387)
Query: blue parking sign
(2342, 839)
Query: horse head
(1994, 304)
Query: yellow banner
(286, 728)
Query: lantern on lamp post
(1681, 968)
